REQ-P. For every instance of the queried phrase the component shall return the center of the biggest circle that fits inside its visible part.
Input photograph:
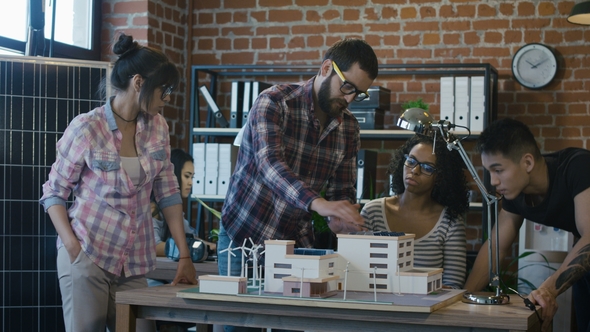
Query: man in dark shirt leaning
(551, 189)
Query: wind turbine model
(229, 254)
(255, 255)
(243, 248)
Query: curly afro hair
(450, 184)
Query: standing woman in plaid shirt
(111, 159)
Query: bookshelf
(215, 74)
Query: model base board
(354, 300)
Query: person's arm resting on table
(186, 270)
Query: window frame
(61, 50)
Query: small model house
(222, 284)
(281, 261)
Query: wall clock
(534, 66)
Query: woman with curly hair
(431, 194)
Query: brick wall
(401, 31)
(161, 25)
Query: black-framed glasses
(348, 88)
(166, 89)
(425, 168)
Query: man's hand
(185, 273)
(344, 216)
(339, 226)
(547, 301)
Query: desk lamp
(420, 121)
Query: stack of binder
(462, 101)
(214, 164)
(243, 95)
(371, 111)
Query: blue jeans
(581, 295)
(223, 241)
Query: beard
(331, 106)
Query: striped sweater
(444, 246)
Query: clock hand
(527, 61)
(535, 66)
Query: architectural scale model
(379, 262)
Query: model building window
(378, 276)
(378, 245)
(401, 254)
(401, 265)
(282, 266)
(408, 263)
(409, 253)
(379, 266)
(280, 276)
(437, 283)
(379, 286)
(374, 255)
(295, 290)
(331, 264)
(401, 244)
(430, 287)
(409, 243)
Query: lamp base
(486, 298)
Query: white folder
(211, 168)
(447, 99)
(199, 164)
(247, 102)
(227, 163)
(236, 105)
(461, 102)
(477, 104)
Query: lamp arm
(491, 203)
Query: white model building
(385, 262)
(363, 262)
(280, 261)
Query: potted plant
(418, 103)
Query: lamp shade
(580, 14)
(415, 119)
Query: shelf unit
(250, 72)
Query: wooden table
(162, 303)
(166, 269)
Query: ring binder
(214, 108)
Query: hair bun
(125, 45)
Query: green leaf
(415, 104)
(212, 210)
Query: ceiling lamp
(580, 14)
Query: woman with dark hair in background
(184, 171)
(112, 159)
(431, 194)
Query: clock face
(534, 66)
